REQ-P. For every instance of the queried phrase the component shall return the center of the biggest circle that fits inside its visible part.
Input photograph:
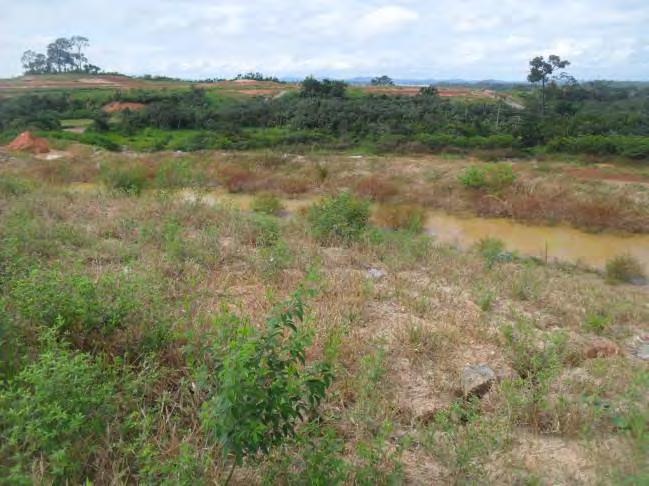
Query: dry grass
(399, 342)
(376, 188)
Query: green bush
(54, 415)
(627, 146)
(264, 388)
(624, 268)
(493, 177)
(317, 459)
(342, 218)
(88, 311)
(130, 180)
(267, 203)
(493, 251)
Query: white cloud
(471, 39)
(385, 20)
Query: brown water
(560, 243)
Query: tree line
(64, 55)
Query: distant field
(45, 83)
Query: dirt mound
(27, 142)
(117, 106)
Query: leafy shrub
(628, 146)
(54, 414)
(493, 177)
(342, 217)
(267, 203)
(400, 216)
(88, 310)
(88, 138)
(130, 180)
(44, 296)
(264, 387)
(493, 251)
(316, 460)
(624, 268)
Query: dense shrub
(264, 388)
(627, 146)
(54, 415)
(624, 268)
(342, 218)
(492, 177)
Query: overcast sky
(470, 39)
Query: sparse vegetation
(126, 359)
(160, 339)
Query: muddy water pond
(559, 243)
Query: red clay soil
(27, 142)
(443, 92)
(118, 106)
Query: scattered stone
(602, 348)
(477, 380)
(27, 142)
(376, 273)
(641, 350)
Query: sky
(443, 39)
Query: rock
(641, 350)
(477, 380)
(602, 348)
(376, 273)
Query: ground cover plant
(148, 313)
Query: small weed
(597, 322)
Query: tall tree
(382, 81)
(79, 43)
(34, 63)
(542, 70)
(59, 54)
